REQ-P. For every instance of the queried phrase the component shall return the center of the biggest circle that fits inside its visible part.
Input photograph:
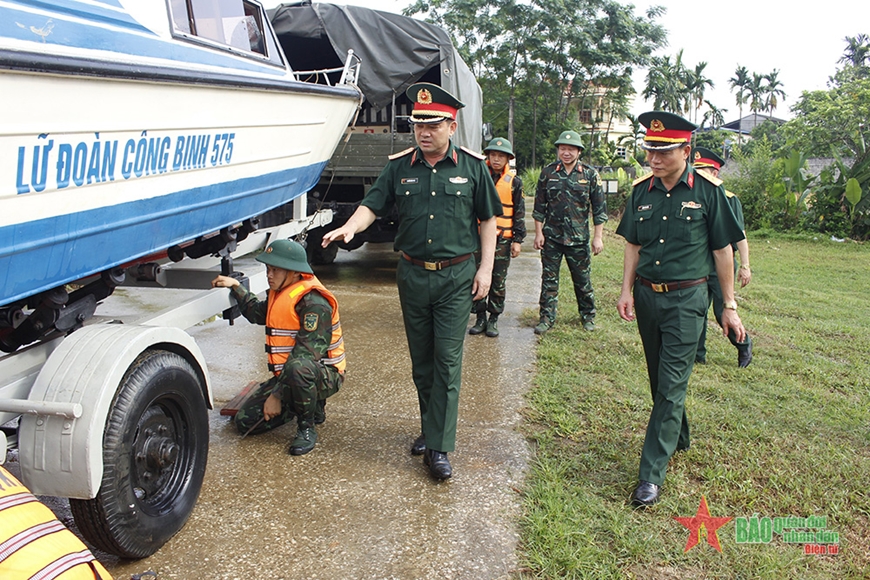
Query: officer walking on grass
(568, 193)
(706, 160)
(447, 206)
(304, 344)
(511, 226)
(678, 227)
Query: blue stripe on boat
(43, 254)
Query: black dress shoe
(419, 445)
(645, 494)
(744, 355)
(438, 464)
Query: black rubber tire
(155, 449)
(317, 254)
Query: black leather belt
(440, 265)
(670, 286)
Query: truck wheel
(155, 449)
(318, 255)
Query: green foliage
(616, 201)
(753, 180)
(794, 188)
(713, 140)
(785, 437)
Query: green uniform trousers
(435, 306)
(715, 292)
(670, 325)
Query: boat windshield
(232, 23)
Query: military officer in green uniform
(568, 192)
(511, 228)
(441, 192)
(677, 225)
(706, 160)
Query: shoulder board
(641, 179)
(714, 180)
(472, 153)
(401, 153)
(730, 193)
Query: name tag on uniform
(644, 207)
(691, 205)
(410, 180)
(458, 179)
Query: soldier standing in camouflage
(568, 191)
(511, 227)
(303, 341)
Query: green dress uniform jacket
(677, 231)
(439, 209)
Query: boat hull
(96, 172)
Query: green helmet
(569, 138)
(500, 144)
(286, 254)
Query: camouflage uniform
(305, 383)
(563, 203)
(503, 252)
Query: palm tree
(696, 85)
(664, 83)
(715, 115)
(857, 51)
(740, 81)
(756, 96)
(773, 90)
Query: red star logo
(702, 519)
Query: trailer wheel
(155, 449)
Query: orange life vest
(282, 324)
(34, 544)
(505, 222)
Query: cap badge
(498, 143)
(424, 97)
(697, 154)
(269, 250)
(656, 126)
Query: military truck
(395, 51)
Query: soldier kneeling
(303, 341)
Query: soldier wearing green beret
(678, 226)
(568, 193)
(511, 227)
(442, 192)
(704, 159)
(304, 344)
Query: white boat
(132, 126)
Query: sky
(803, 42)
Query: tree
(740, 81)
(715, 115)
(772, 90)
(539, 61)
(756, 95)
(696, 84)
(857, 52)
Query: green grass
(789, 436)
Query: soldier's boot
(479, 325)
(306, 438)
(492, 326)
(320, 413)
(543, 326)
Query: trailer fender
(64, 457)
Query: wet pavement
(359, 505)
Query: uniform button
(641, 219)
(658, 263)
(458, 193)
(662, 241)
(407, 193)
(688, 218)
(428, 241)
(431, 217)
(664, 217)
(434, 170)
(668, 195)
(433, 193)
